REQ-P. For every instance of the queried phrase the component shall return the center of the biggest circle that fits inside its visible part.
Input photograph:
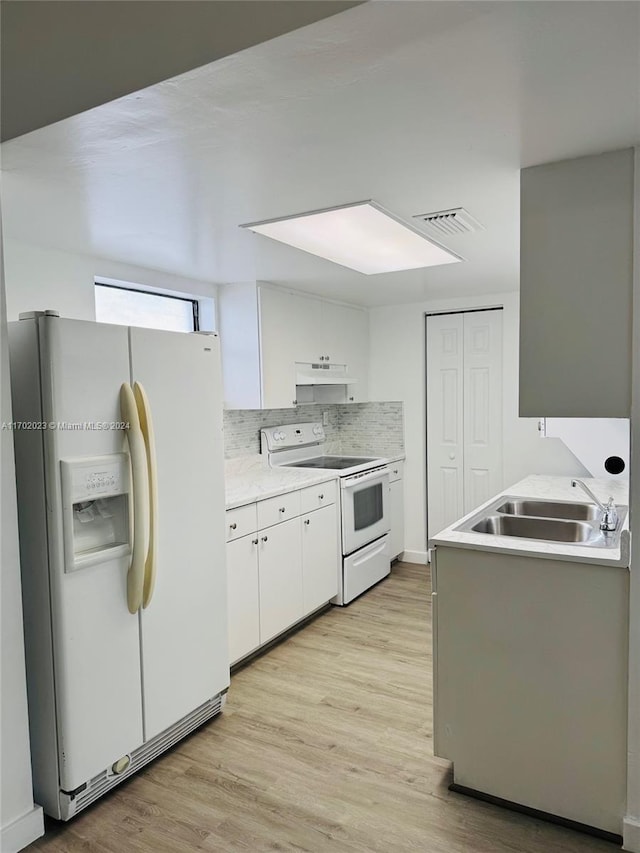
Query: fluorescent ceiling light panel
(361, 236)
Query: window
(130, 307)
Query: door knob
(254, 541)
(306, 521)
(264, 538)
(233, 526)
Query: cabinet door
(320, 557)
(279, 334)
(576, 282)
(346, 341)
(243, 596)
(397, 518)
(280, 578)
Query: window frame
(195, 302)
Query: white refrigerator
(122, 546)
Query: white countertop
(549, 488)
(249, 479)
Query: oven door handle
(381, 475)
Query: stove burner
(331, 463)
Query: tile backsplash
(356, 427)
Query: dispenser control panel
(88, 477)
(103, 481)
(95, 506)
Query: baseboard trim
(631, 834)
(540, 815)
(420, 557)
(17, 835)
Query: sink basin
(549, 529)
(544, 521)
(550, 509)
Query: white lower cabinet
(280, 573)
(243, 596)
(280, 578)
(320, 557)
(396, 489)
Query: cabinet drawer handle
(233, 526)
(321, 497)
(306, 521)
(395, 470)
(282, 509)
(254, 541)
(264, 538)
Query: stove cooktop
(332, 463)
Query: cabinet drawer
(396, 471)
(278, 509)
(241, 521)
(315, 497)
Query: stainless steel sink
(544, 521)
(549, 529)
(550, 509)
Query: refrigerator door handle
(140, 497)
(146, 424)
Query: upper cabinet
(576, 281)
(266, 331)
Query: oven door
(365, 508)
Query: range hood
(323, 374)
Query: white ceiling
(418, 105)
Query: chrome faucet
(609, 520)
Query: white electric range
(364, 501)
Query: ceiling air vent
(447, 222)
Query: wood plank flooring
(324, 745)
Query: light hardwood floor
(324, 745)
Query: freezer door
(96, 646)
(184, 625)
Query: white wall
(632, 820)
(38, 278)
(20, 820)
(397, 372)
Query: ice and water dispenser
(95, 498)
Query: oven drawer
(274, 510)
(315, 497)
(241, 521)
(364, 568)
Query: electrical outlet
(325, 419)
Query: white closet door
(464, 413)
(445, 383)
(482, 406)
